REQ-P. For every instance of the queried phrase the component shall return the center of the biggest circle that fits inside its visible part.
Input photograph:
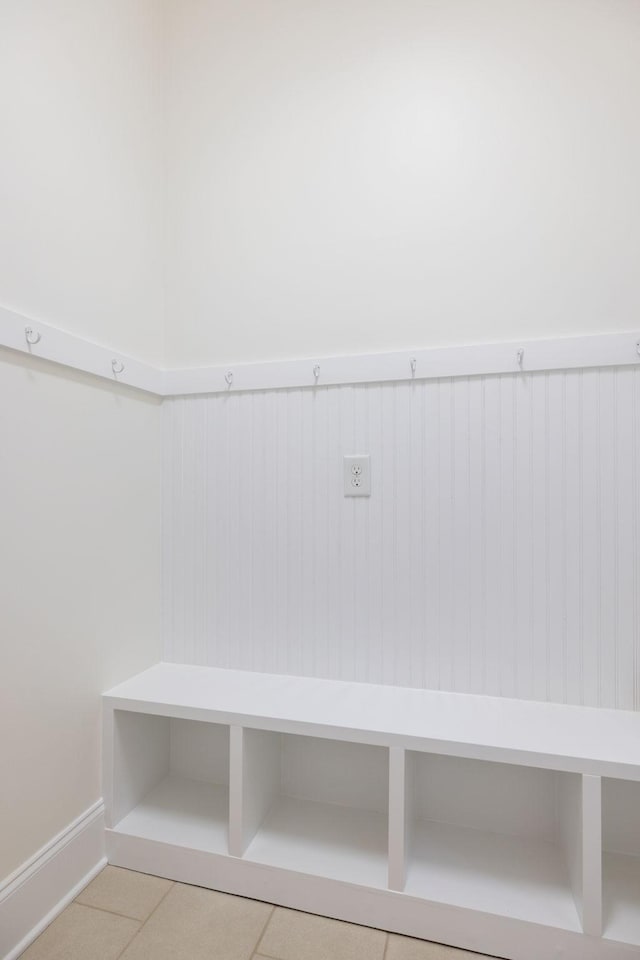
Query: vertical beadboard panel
(626, 572)
(431, 542)
(461, 627)
(374, 641)
(498, 553)
(572, 540)
(474, 542)
(556, 536)
(608, 540)
(505, 626)
(591, 523)
(491, 533)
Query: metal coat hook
(117, 366)
(229, 378)
(32, 336)
(413, 364)
(520, 357)
(638, 347)
(316, 372)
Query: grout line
(113, 913)
(269, 956)
(386, 946)
(145, 922)
(264, 930)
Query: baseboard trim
(34, 895)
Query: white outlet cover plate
(357, 475)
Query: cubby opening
(494, 837)
(171, 780)
(316, 806)
(621, 860)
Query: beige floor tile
(405, 948)
(196, 924)
(301, 936)
(81, 933)
(132, 894)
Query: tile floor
(124, 915)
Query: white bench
(474, 821)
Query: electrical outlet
(357, 475)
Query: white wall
(81, 168)
(357, 176)
(80, 247)
(79, 584)
(341, 177)
(499, 552)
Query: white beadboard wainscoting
(498, 553)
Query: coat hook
(413, 363)
(638, 347)
(229, 378)
(32, 336)
(117, 366)
(316, 372)
(520, 357)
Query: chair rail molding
(26, 335)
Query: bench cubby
(171, 780)
(316, 806)
(491, 837)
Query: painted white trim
(602, 350)
(33, 896)
(76, 352)
(526, 356)
(390, 910)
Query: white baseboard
(42, 887)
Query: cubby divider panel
(171, 780)
(621, 860)
(316, 806)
